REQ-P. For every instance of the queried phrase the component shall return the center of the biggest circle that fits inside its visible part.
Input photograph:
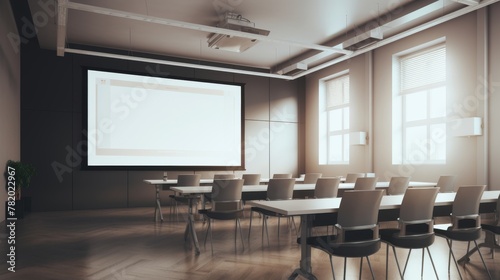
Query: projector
(363, 40)
(234, 43)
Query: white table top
(202, 181)
(330, 205)
(298, 187)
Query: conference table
(307, 209)
(162, 184)
(259, 191)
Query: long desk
(308, 208)
(161, 184)
(259, 192)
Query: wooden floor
(127, 244)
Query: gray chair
(326, 187)
(465, 222)
(415, 227)
(282, 175)
(251, 179)
(277, 189)
(356, 229)
(365, 183)
(226, 205)
(351, 177)
(183, 180)
(446, 183)
(398, 185)
(223, 176)
(311, 178)
(491, 228)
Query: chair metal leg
(345, 267)
(406, 263)
(211, 239)
(250, 227)
(432, 262)
(331, 265)
(370, 266)
(397, 262)
(455, 260)
(360, 267)
(481, 255)
(241, 234)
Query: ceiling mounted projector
(231, 43)
(363, 40)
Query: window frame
(426, 152)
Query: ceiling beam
(401, 35)
(198, 27)
(62, 17)
(175, 63)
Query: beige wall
(9, 97)
(494, 97)
(466, 156)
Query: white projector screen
(143, 121)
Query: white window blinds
(424, 70)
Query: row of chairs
(357, 234)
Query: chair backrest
(326, 187)
(365, 183)
(351, 177)
(223, 176)
(418, 204)
(398, 185)
(280, 188)
(226, 194)
(311, 178)
(467, 200)
(446, 183)
(465, 209)
(359, 208)
(282, 175)
(251, 179)
(188, 180)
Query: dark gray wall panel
(141, 194)
(284, 100)
(99, 189)
(46, 143)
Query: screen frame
(84, 131)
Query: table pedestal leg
(190, 230)
(489, 242)
(305, 269)
(158, 213)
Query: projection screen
(162, 123)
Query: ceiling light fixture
(231, 43)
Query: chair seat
(347, 249)
(469, 234)
(222, 215)
(409, 241)
(493, 228)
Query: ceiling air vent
(363, 40)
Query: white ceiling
(295, 26)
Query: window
(334, 120)
(419, 107)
